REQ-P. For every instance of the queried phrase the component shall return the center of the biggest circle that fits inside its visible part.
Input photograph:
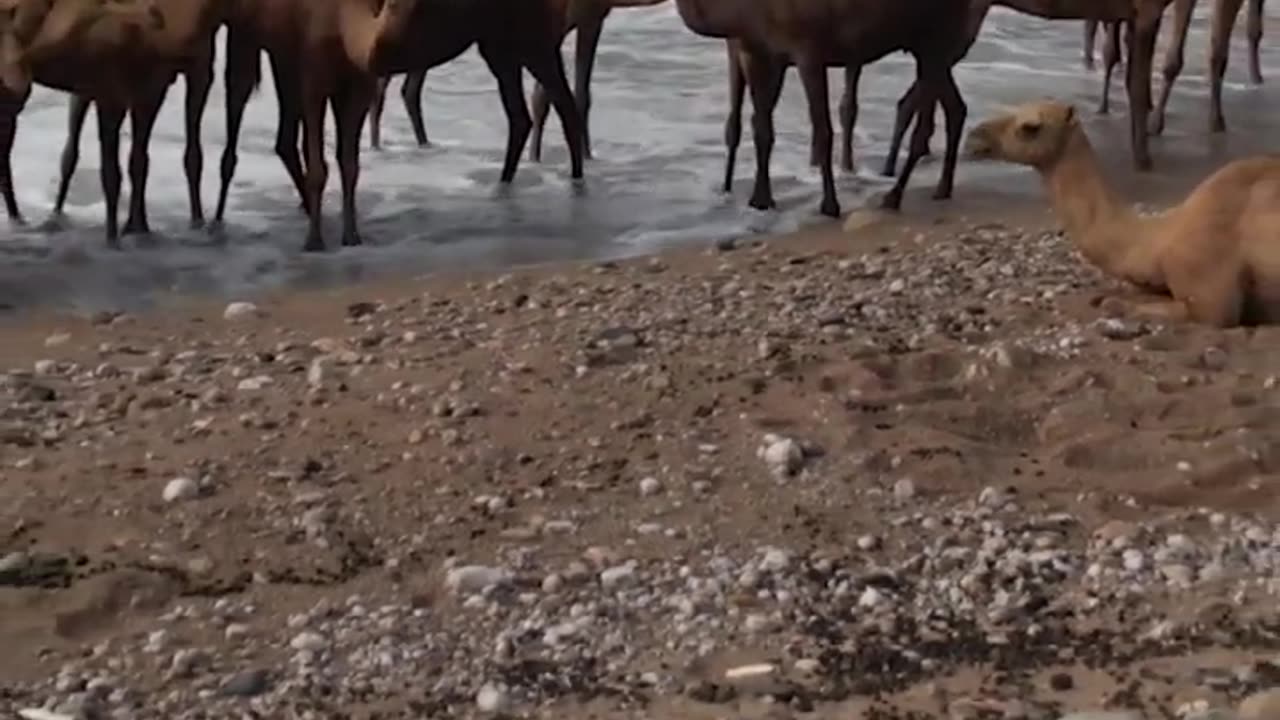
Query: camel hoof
(197, 223)
(942, 194)
(891, 201)
(113, 243)
(56, 222)
(136, 228)
(313, 245)
(762, 203)
(352, 240)
(830, 208)
(889, 170)
(1218, 125)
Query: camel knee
(1218, 64)
(229, 161)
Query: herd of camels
(122, 55)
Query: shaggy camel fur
(587, 16)
(199, 21)
(121, 55)
(739, 66)
(817, 33)
(332, 52)
(1215, 255)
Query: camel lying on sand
(331, 52)
(1215, 255)
(121, 55)
(587, 16)
(739, 66)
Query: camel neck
(1102, 224)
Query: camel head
(1030, 134)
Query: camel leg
(1254, 31)
(240, 76)
(1142, 32)
(955, 111)
(10, 108)
(1110, 58)
(142, 116)
(766, 74)
(849, 115)
(1090, 31)
(1182, 10)
(547, 67)
(908, 106)
(411, 93)
(733, 122)
(506, 69)
(928, 97)
(813, 73)
(317, 170)
(584, 65)
(349, 110)
(541, 107)
(199, 79)
(1224, 22)
(77, 112)
(110, 119)
(375, 112)
(288, 80)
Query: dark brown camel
(343, 56)
(739, 62)
(121, 56)
(817, 33)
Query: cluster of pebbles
(497, 497)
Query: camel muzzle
(978, 146)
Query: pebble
(308, 640)
(492, 699)
(784, 456)
(471, 579)
(240, 311)
(617, 575)
(650, 486)
(180, 488)
(904, 489)
(247, 683)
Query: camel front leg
(584, 62)
(1110, 58)
(1142, 31)
(849, 115)
(733, 121)
(813, 73)
(1254, 31)
(908, 107)
(289, 100)
(928, 81)
(10, 108)
(349, 110)
(766, 74)
(1224, 23)
(77, 112)
(1182, 11)
(1090, 32)
(317, 170)
(241, 75)
(411, 93)
(954, 111)
(110, 119)
(199, 79)
(143, 117)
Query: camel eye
(1029, 130)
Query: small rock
(181, 488)
(1118, 329)
(783, 455)
(471, 579)
(650, 486)
(617, 575)
(307, 640)
(57, 339)
(1213, 358)
(247, 683)
(256, 382)
(492, 699)
(904, 489)
(240, 311)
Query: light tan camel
(1215, 255)
(1224, 15)
(123, 55)
(198, 21)
(331, 52)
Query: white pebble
(904, 489)
(470, 579)
(492, 699)
(180, 488)
(650, 486)
(240, 311)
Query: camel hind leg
(547, 67)
(1182, 11)
(849, 115)
(411, 93)
(242, 74)
(77, 113)
(10, 108)
(908, 107)
(1110, 58)
(813, 73)
(1254, 31)
(199, 79)
(954, 111)
(927, 86)
(143, 117)
(1224, 22)
(506, 70)
(375, 111)
(349, 110)
(317, 170)
(1090, 34)
(288, 79)
(733, 121)
(766, 75)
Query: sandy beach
(912, 469)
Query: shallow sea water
(657, 117)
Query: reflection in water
(659, 105)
